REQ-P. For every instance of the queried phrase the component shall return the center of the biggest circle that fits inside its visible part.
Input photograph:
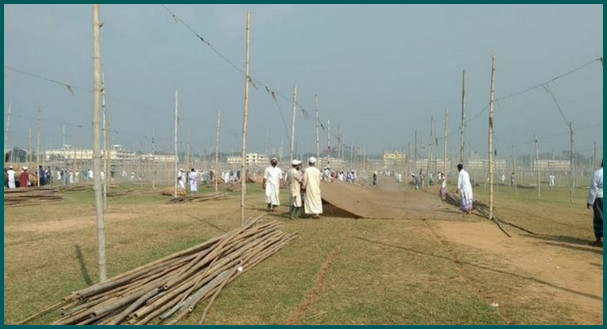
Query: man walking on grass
(464, 188)
(294, 181)
(595, 201)
(271, 183)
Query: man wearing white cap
(181, 176)
(311, 186)
(11, 177)
(294, 184)
(271, 183)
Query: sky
(380, 72)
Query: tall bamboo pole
(429, 152)
(8, 122)
(108, 163)
(175, 143)
(188, 160)
(415, 156)
(435, 130)
(328, 141)
(292, 150)
(245, 119)
(29, 153)
(317, 128)
(537, 168)
(105, 142)
(96, 150)
(490, 148)
(463, 122)
(154, 158)
(571, 163)
(445, 143)
(39, 126)
(217, 148)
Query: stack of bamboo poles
(200, 198)
(30, 195)
(170, 288)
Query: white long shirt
(596, 186)
(464, 185)
(272, 175)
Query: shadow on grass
(85, 273)
(567, 242)
(580, 248)
(486, 268)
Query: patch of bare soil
(560, 271)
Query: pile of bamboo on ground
(30, 195)
(169, 191)
(200, 198)
(166, 290)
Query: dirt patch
(569, 273)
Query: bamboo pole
(105, 142)
(292, 149)
(243, 190)
(154, 158)
(429, 152)
(217, 148)
(317, 128)
(445, 143)
(29, 153)
(463, 122)
(8, 122)
(188, 158)
(328, 141)
(537, 168)
(38, 143)
(571, 164)
(96, 151)
(490, 148)
(175, 145)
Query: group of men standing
(304, 188)
(12, 180)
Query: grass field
(338, 270)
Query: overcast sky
(380, 72)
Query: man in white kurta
(271, 183)
(465, 189)
(193, 179)
(11, 177)
(311, 185)
(294, 181)
(181, 179)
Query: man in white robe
(271, 183)
(311, 186)
(181, 179)
(465, 189)
(11, 177)
(193, 179)
(294, 181)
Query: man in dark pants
(595, 200)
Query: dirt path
(558, 271)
